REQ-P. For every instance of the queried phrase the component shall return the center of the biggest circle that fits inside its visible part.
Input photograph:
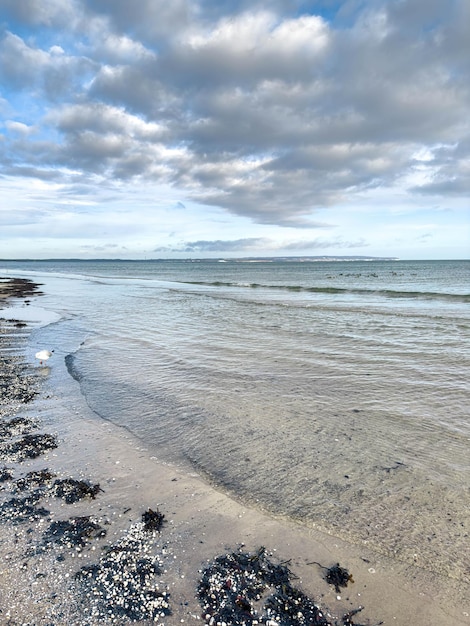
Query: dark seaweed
(153, 520)
(242, 589)
(17, 426)
(34, 479)
(72, 532)
(291, 607)
(5, 474)
(336, 575)
(29, 446)
(19, 287)
(347, 619)
(19, 510)
(234, 584)
(72, 490)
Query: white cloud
(121, 49)
(18, 127)
(255, 111)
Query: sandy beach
(39, 561)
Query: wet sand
(38, 585)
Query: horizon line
(228, 258)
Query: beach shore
(40, 554)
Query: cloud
(9, 217)
(18, 127)
(48, 13)
(41, 72)
(269, 111)
(450, 166)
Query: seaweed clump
(243, 589)
(72, 532)
(19, 510)
(72, 490)
(153, 520)
(28, 447)
(5, 474)
(336, 575)
(17, 426)
(39, 478)
(292, 607)
(19, 287)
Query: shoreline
(200, 525)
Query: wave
(387, 293)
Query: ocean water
(333, 393)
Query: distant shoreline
(247, 259)
(217, 259)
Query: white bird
(43, 355)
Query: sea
(335, 394)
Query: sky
(227, 128)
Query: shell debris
(123, 584)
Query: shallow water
(332, 393)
